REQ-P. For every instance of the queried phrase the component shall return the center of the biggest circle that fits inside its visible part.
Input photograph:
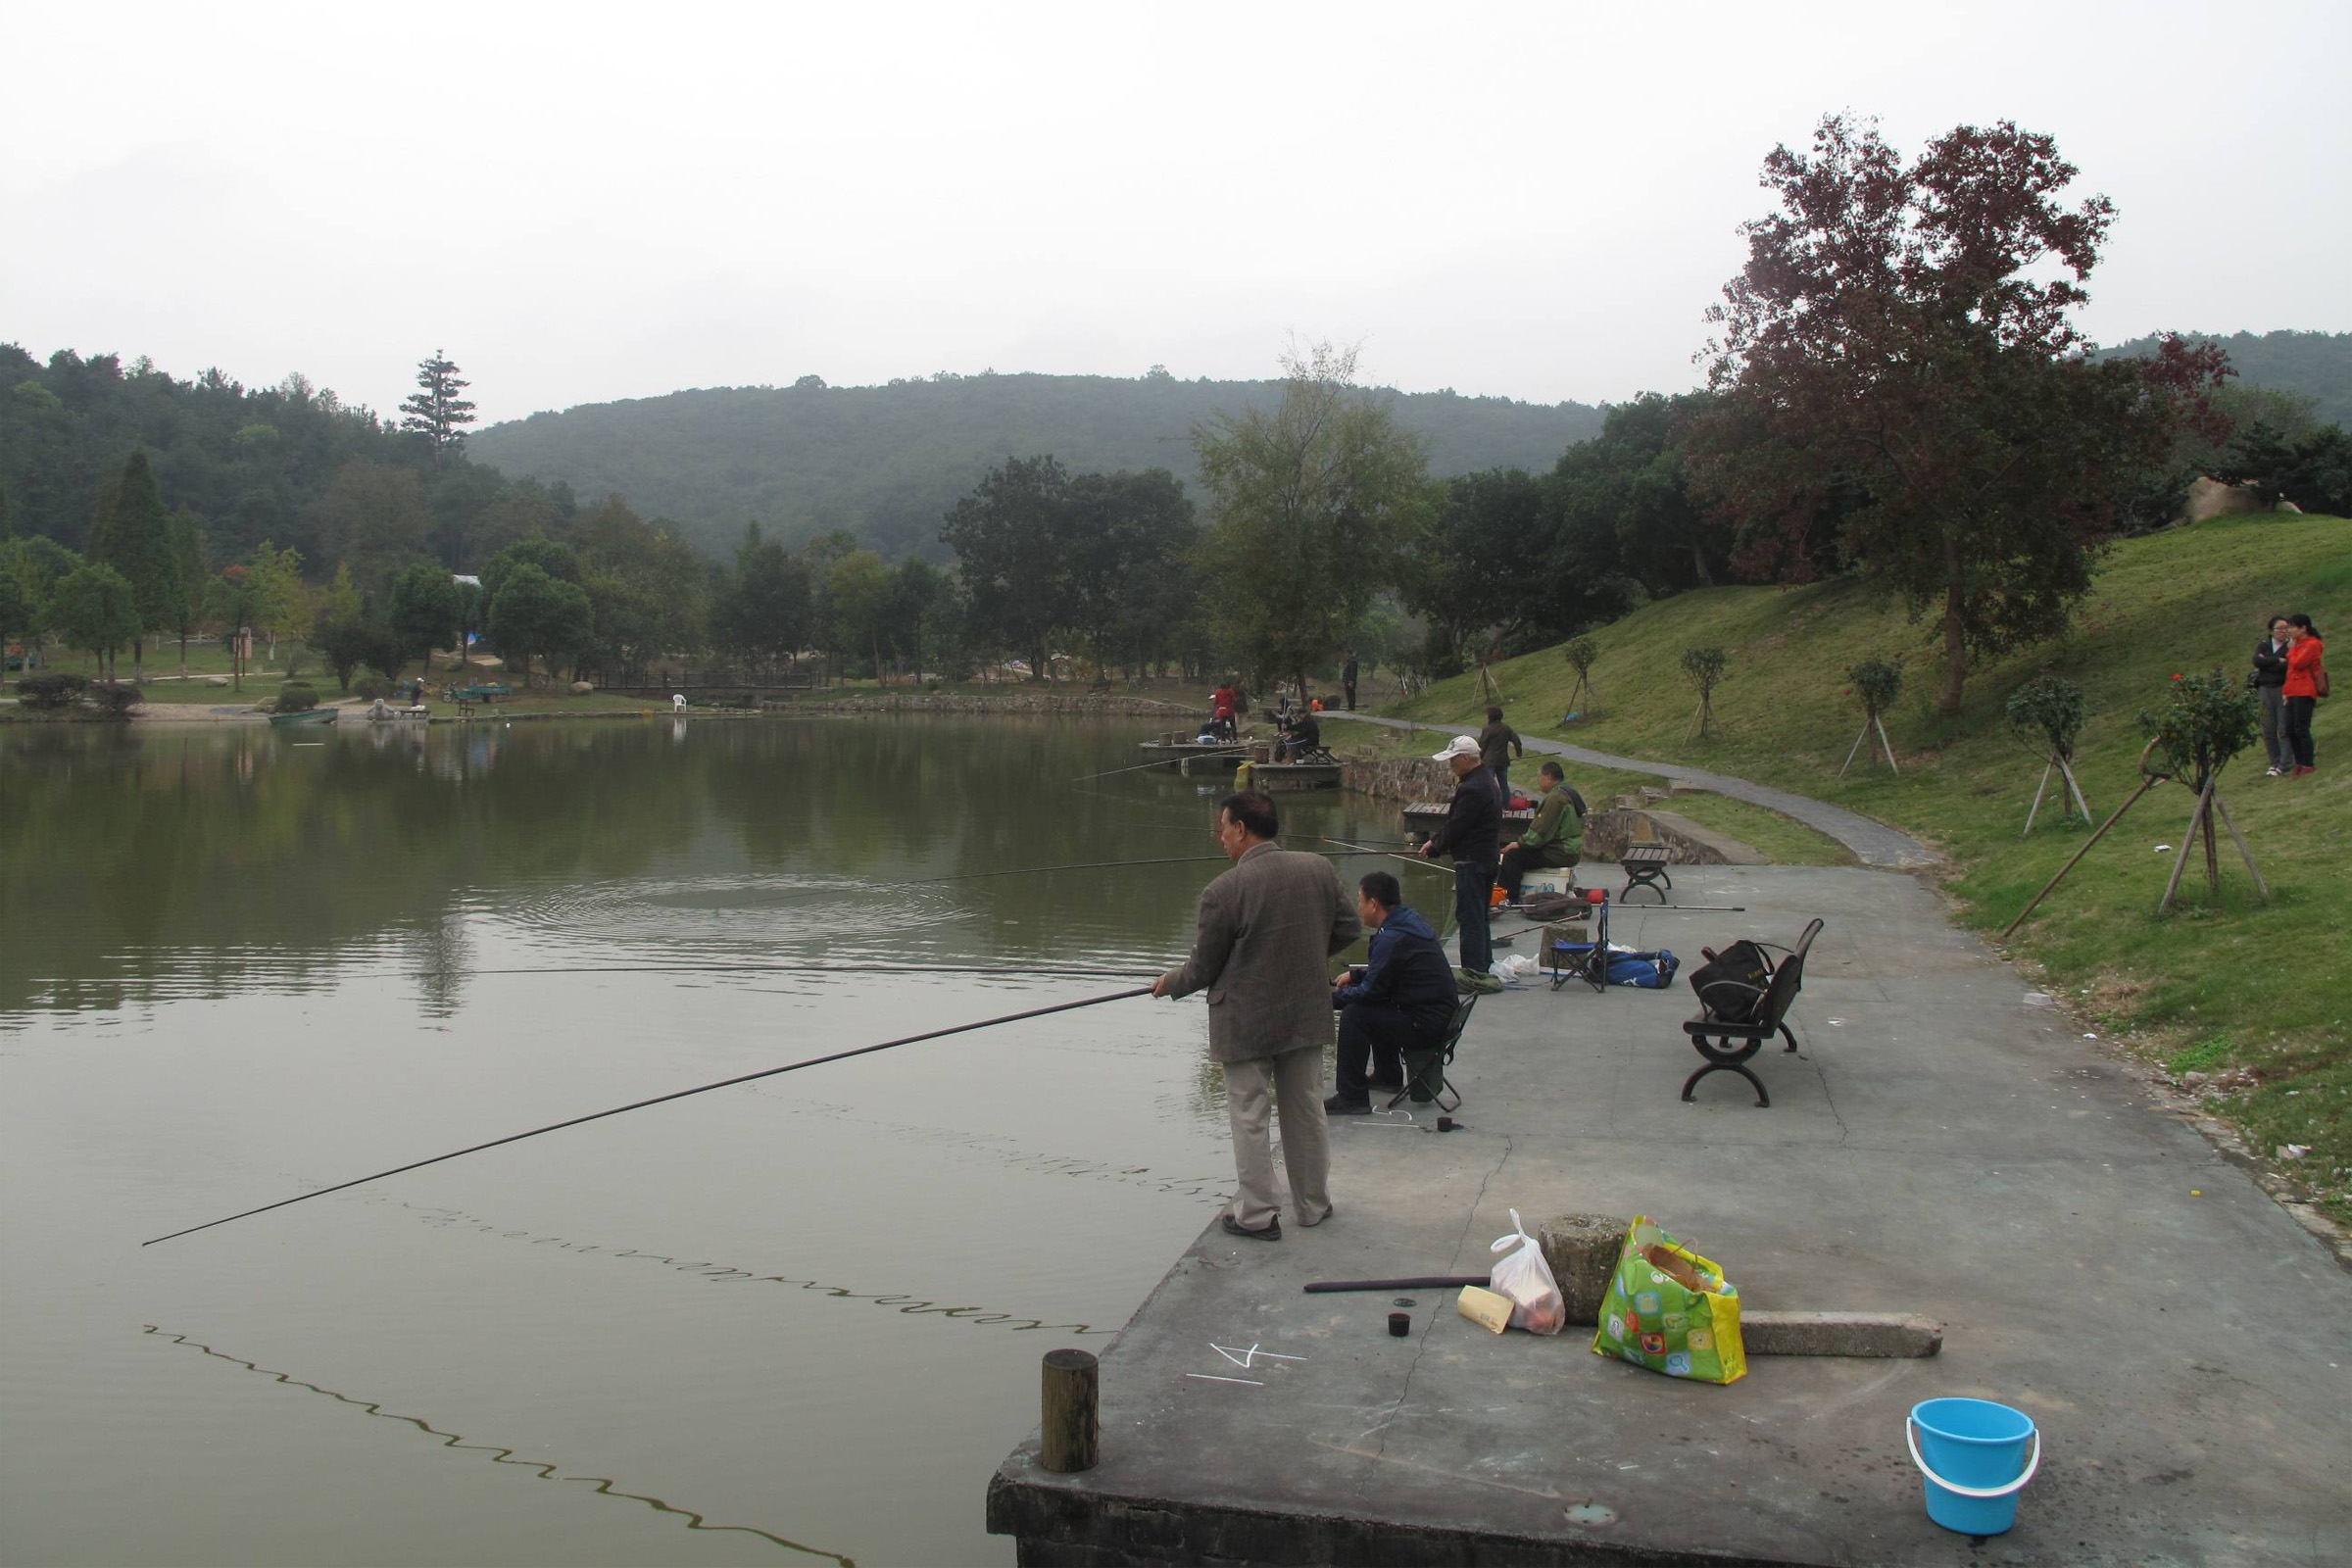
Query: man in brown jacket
(1268, 928)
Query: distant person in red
(2306, 684)
(1222, 708)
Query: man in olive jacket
(1268, 929)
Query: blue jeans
(1473, 887)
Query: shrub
(368, 690)
(2047, 714)
(2206, 721)
(1878, 682)
(114, 699)
(49, 693)
(296, 697)
(1581, 654)
(1704, 667)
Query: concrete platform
(1944, 1145)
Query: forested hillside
(886, 462)
(2308, 364)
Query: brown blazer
(1268, 928)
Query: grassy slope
(2227, 983)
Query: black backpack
(1731, 984)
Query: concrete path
(1944, 1143)
(1874, 842)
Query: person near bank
(1267, 929)
(1556, 837)
(2306, 683)
(1301, 737)
(1497, 743)
(1348, 679)
(1472, 833)
(1400, 999)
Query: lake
(790, 1320)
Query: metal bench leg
(1792, 1039)
(1692, 1082)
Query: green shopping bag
(1671, 1310)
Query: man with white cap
(1472, 836)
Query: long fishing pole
(1040, 870)
(682, 1093)
(824, 968)
(1170, 762)
(1420, 860)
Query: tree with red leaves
(1898, 364)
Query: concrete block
(1887, 1335)
(1581, 1251)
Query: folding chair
(1424, 1077)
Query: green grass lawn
(2227, 983)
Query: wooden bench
(1728, 1044)
(1646, 866)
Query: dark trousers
(2298, 728)
(2274, 728)
(1473, 886)
(1502, 778)
(1374, 1036)
(1350, 695)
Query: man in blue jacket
(1400, 1000)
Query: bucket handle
(1910, 1436)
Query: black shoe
(1336, 1106)
(1272, 1231)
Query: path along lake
(792, 1320)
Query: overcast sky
(583, 202)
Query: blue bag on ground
(1649, 971)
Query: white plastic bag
(1513, 967)
(1537, 1305)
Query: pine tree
(435, 411)
(133, 535)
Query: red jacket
(2303, 668)
(1224, 701)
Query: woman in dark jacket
(2270, 674)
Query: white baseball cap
(1459, 746)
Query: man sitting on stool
(1400, 1000)
(1556, 837)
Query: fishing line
(680, 1094)
(1040, 870)
(1172, 761)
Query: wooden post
(1856, 747)
(1881, 725)
(2068, 770)
(2034, 810)
(2261, 887)
(2145, 784)
(1069, 1422)
(2180, 861)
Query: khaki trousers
(1295, 1080)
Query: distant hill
(2314, 364)
(887, 462)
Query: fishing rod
(682, 1093)
(1040, 870)
(1171, 761)
(1420, 860)
(822, 968)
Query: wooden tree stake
(1070, 1419)
(2261, 887)
(2145, 785)
(2034, 810)
(1880, 726)
(2180, 861)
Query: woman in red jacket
(2306, 680)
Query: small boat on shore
(308, 715)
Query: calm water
(793, 1320)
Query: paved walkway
(1946, 1142)
(1874, 842)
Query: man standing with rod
(1268, 927)
(1472, 836)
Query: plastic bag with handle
(1537, 1305)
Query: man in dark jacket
(1348, 679)
(1400, 1000)
(1497, 743)
(1472, 836)
(2270, 675)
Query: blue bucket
(1974, 1455)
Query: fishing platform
(1938, 1147)
(1184, 754)
(1423, 818)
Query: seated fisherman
(1401, 999)
(1557, 838)
(1304, 735)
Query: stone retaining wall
(1398, 778)
(1012, 703)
